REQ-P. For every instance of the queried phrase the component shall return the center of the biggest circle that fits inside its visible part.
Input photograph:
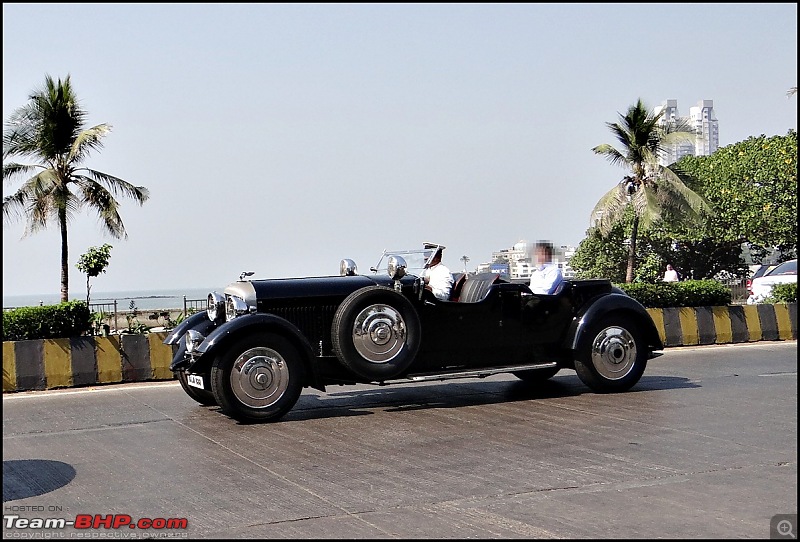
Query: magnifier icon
(785, 528)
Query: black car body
(262, 341)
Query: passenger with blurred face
(546, 276)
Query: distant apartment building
(517, 261)
(702, 118)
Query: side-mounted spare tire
(376, 333)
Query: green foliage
(134, 325)
(689, 293)
(99, 324)
(601, 257)
(606, 257)
(69, 319)
(783, 293)
(93, 262)
(650, 266)
(752, 186)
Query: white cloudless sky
(281, 138)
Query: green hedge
(688, 293)
(783, 293)
(70, 319)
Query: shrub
(783, 293)
(69, 319)
(688, 293)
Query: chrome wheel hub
(259, 377)
(379, 333)
(614, 352)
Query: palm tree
(50, 130)
(651, 190)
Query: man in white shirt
(436, 276)
(546, 276)
(670, 275)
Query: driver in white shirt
(436, 275)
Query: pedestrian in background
(670, 275)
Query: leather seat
(476, 287)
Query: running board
(480, 373)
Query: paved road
(705, 446)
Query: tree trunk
(632, 250)
(62, 222)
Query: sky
(281, 138)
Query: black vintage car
(260, 342)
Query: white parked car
(761, 287)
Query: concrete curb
(692, 326)
(87, 361)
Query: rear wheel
(258, 378)
(614, 357)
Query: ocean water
(143, 299)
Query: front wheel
(614, 357)
(204, 397)
(258, 378)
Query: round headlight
(193, 340)
(216, 307)
(234, 306)
(347, 268)
(396, 267)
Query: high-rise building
(706, 129)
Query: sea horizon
(168, 298)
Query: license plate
(196, 381)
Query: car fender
(229, 331)
(602, 306)
(198, 321)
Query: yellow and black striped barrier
(86, 361)
(692, 326)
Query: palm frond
(12, 169)
(610, 208)
(99, 199)
(612, 154)
(673, 183)
(88, 140)
(117, 186)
